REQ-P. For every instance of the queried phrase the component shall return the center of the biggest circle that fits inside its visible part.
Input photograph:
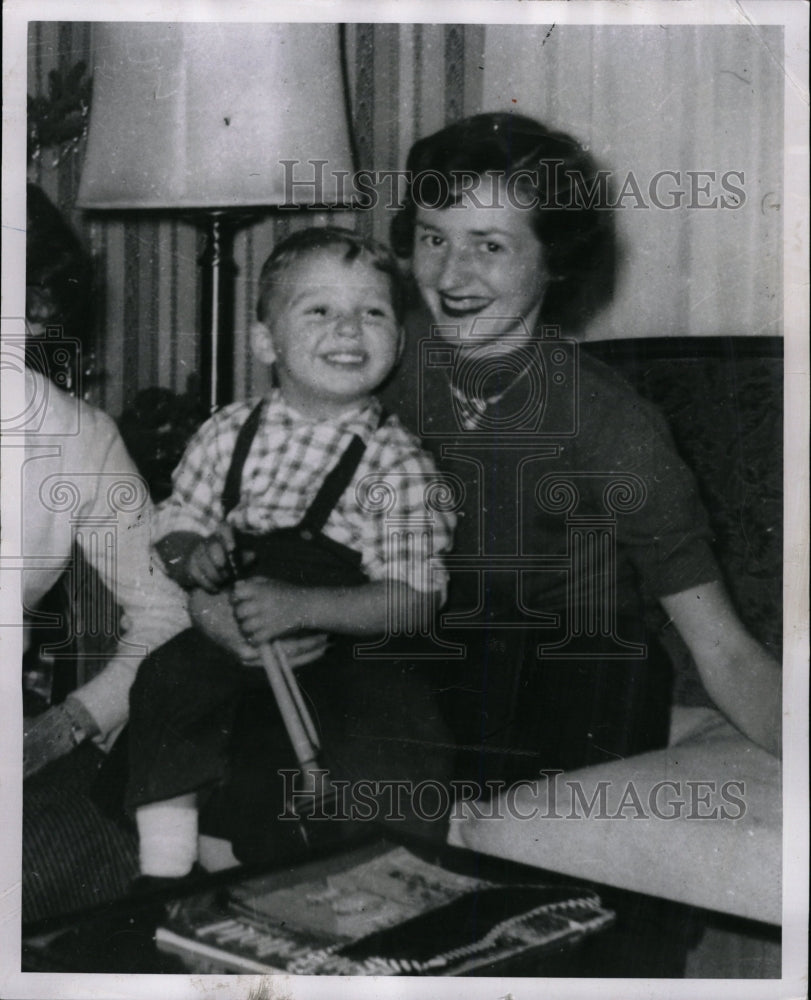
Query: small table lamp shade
(202, 116)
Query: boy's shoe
(157, 885)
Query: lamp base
(217, 343)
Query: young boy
(278, 490)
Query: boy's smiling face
(331, 332)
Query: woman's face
(480, 263)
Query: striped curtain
(644, 99)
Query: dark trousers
(201, 721)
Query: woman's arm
(153, 607)
(740, 676)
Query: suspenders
(233, 479)
(301, 553)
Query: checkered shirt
(383, 513)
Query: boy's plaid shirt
(289, 460)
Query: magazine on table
(376, 911)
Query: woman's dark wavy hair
(576, 230)
(58, 269)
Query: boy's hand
(214, 615)
(266, 609)
(209, 564)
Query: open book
(378, 911)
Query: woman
(580, 531)
(81, 491)
(75, 449)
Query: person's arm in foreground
(153, 608)
(205, 566)
(739, 675)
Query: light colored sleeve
(699, 823)
(113, 527)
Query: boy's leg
(245, 808)
(381, 734)
(181, 714)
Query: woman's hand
(301, 649)
(54, 733)
(214, 616)
(46, 738)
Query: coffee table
(649, 938)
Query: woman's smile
(458, 306)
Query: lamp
(213, 120)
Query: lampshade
(193, 115)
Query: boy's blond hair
(314, 240)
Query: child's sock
(168, 836)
